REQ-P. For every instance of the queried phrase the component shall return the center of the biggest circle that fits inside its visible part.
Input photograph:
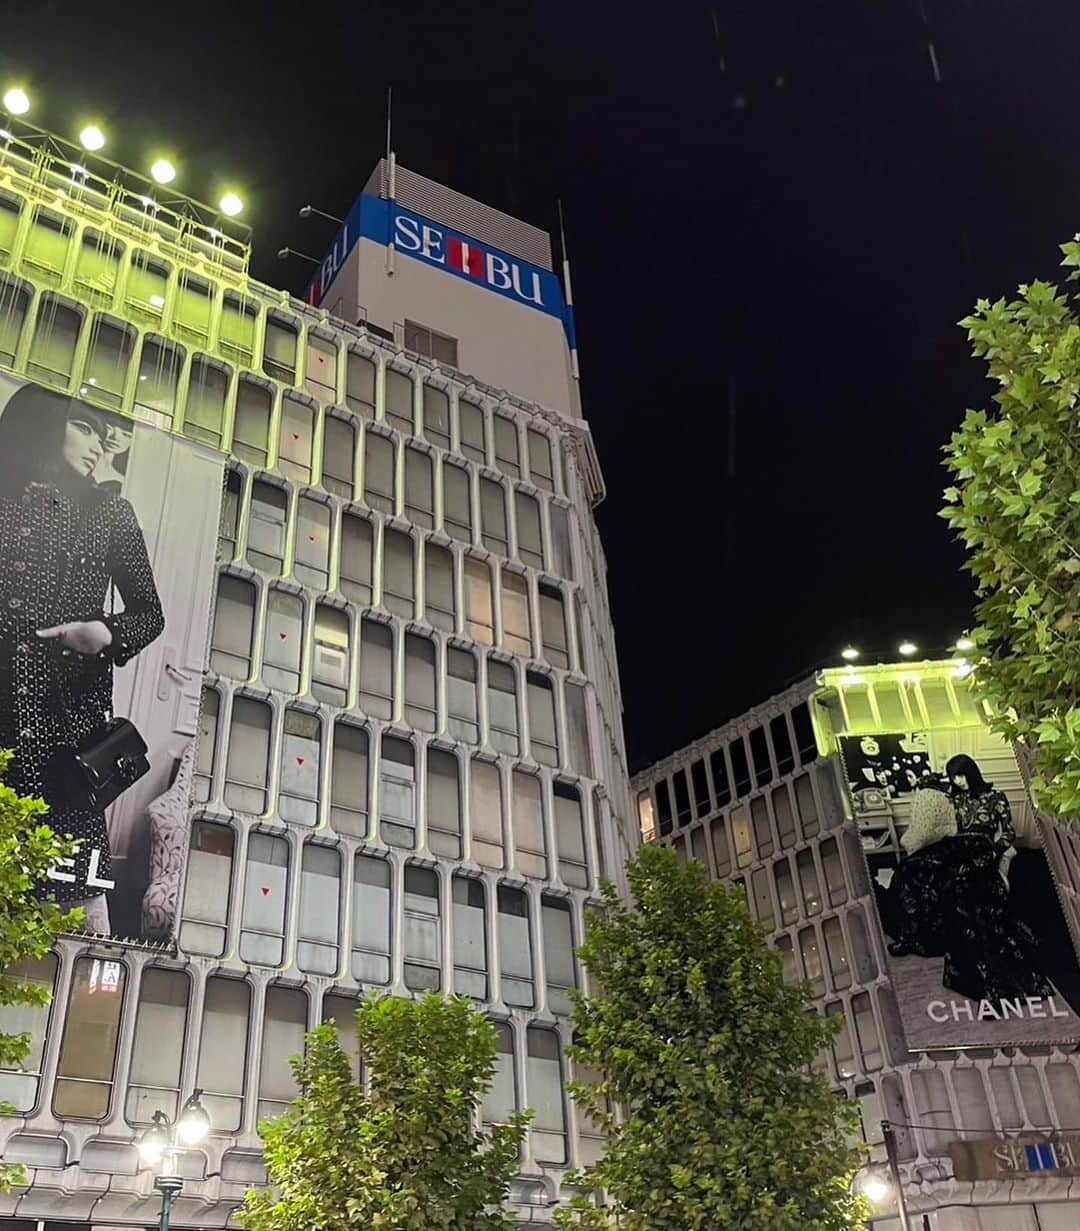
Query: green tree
(28, 923)
(405, 1156)
(694, 1033)
(1015, 504)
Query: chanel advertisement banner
(107, 541)
(978, 949)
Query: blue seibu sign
(386, 222)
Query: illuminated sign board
(390, 224)
(1015, 1158)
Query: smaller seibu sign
(388, 223)
(1015, 1158)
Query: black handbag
(103, 766)
(111, 760)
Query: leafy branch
(1014, 501)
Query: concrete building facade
(411, 605)
(766, 803)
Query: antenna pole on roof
(391, 178)
(562, 229)
(568, 291)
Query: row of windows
(829, 956)
(278, 529)
(791, 813)
(114, 365)
(529, 1068)
(731, 771)
(225, 1060)
(412, 796)
(1017, 1097)
(374, 921)
(802, 886)
(360, 562)
(951, 1100)
(1062, 846)
(380, 671)
(857, 1049)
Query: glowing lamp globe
(153, 1143)
(16, 101)
(230, 205)
(92, 138)
(194, 1123)
(875, 1185)
(163, 172)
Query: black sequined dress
(948, 900)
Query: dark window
(701, 788)
(229, 526)
(804, 734)
(740, 768)
(682, 796)
(436, 417)
(781, 742)
(279, 349)
(663, 806)
(425, 341)
(339, 456)
(720, 777)
(759, 750)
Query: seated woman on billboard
(948, 897)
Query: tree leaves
(28, 923)
(707, 1054)
(407, 1155)
(1014, 501)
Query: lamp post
(882, 1185)
(894, 1172)
(164, 1141)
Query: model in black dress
(947, 899)
(63, 543)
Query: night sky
(777, 199)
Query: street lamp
(875, 1184)
(882, 1185)
(164, 1141)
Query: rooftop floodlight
(194, 1122)
(849, 653)
(306, 211)
(285, 253)
(965, 643)
(163, 172)
(16, 101)
(908, 648)
(230, 205)
(92, 138)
